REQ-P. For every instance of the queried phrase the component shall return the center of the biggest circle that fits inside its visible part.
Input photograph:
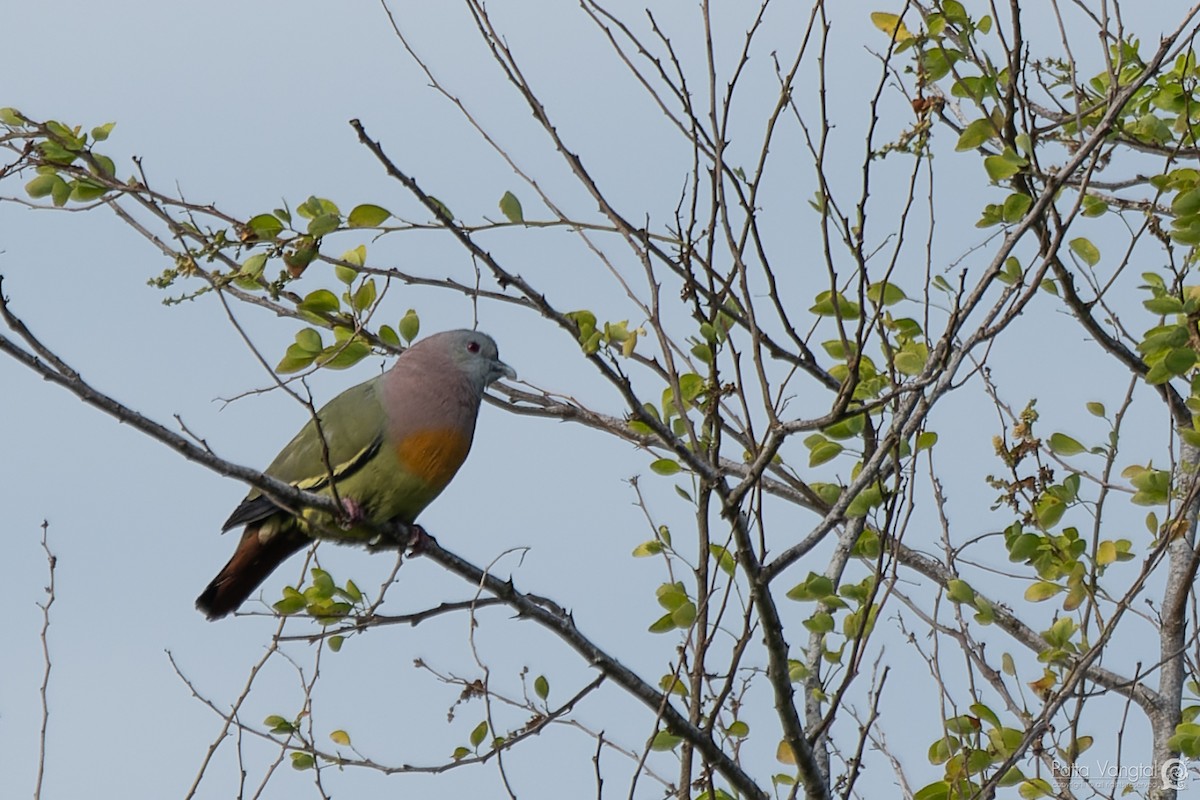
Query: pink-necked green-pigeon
(390, 447)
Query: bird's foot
(396, 534)
(352, 513)
(418, 540)
(404, 536)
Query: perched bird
(390, 446)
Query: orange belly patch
(434, 455)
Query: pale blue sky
(244, 104)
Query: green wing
(351, 431)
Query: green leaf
(848, 428)
(322, 301)
(1023, 547)
(1048, 510)
(1015, 206)
(1186, 203)
(56, 153)
(510, 207)
(291, 603)
(346, 275)
(367, 216)
(1086, 251)
(1064, 445)
(943, 749)
(725, 560)
(738, 729)
(278, 724)
(11, 117)
(83, 190)
(814, 587)
(343, 355)
(479, 733)
(354, 257)
(963, 725)
(684, 615)
(665, 466)
(1034, 788)
(42, 185)
(315, 206)
(650, 548)
(960, 591)
(1094, 206)
(999, 168)
(324, 224)
(955, 12)
(820, 622)
(1164, 304)
(1153, 486)
(925, 440)
(824, 451)
(388, 335)
(911, 358)
(867, 544)
(101, 132)
(663, 624)
(867, 499)
(664, 741)
(541, 687)
(302, 761)
(691, 386)
(365, 296)
(309, 340)
(1180, 360)
(335, 643)
(253, 266)
(976, 134)
(885, 294)
(671, 595)
(1106, 552)
(1186, 231)
(352, 592)
(890, 24)
(409, 326)
(1096, 409)
(442, 207)
(322, 582)
(938, 790)
(102, 166)
(1042, 590)
(672, 685)
(830, 304)
(60, 193)
(295, 359)
(265, 226)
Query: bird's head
(472, 352)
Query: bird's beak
(502, 370)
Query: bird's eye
(472, 346)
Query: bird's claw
(418, 540)
(403, 536)
(352, 513)
(410, 536)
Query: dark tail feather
(252, 562)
